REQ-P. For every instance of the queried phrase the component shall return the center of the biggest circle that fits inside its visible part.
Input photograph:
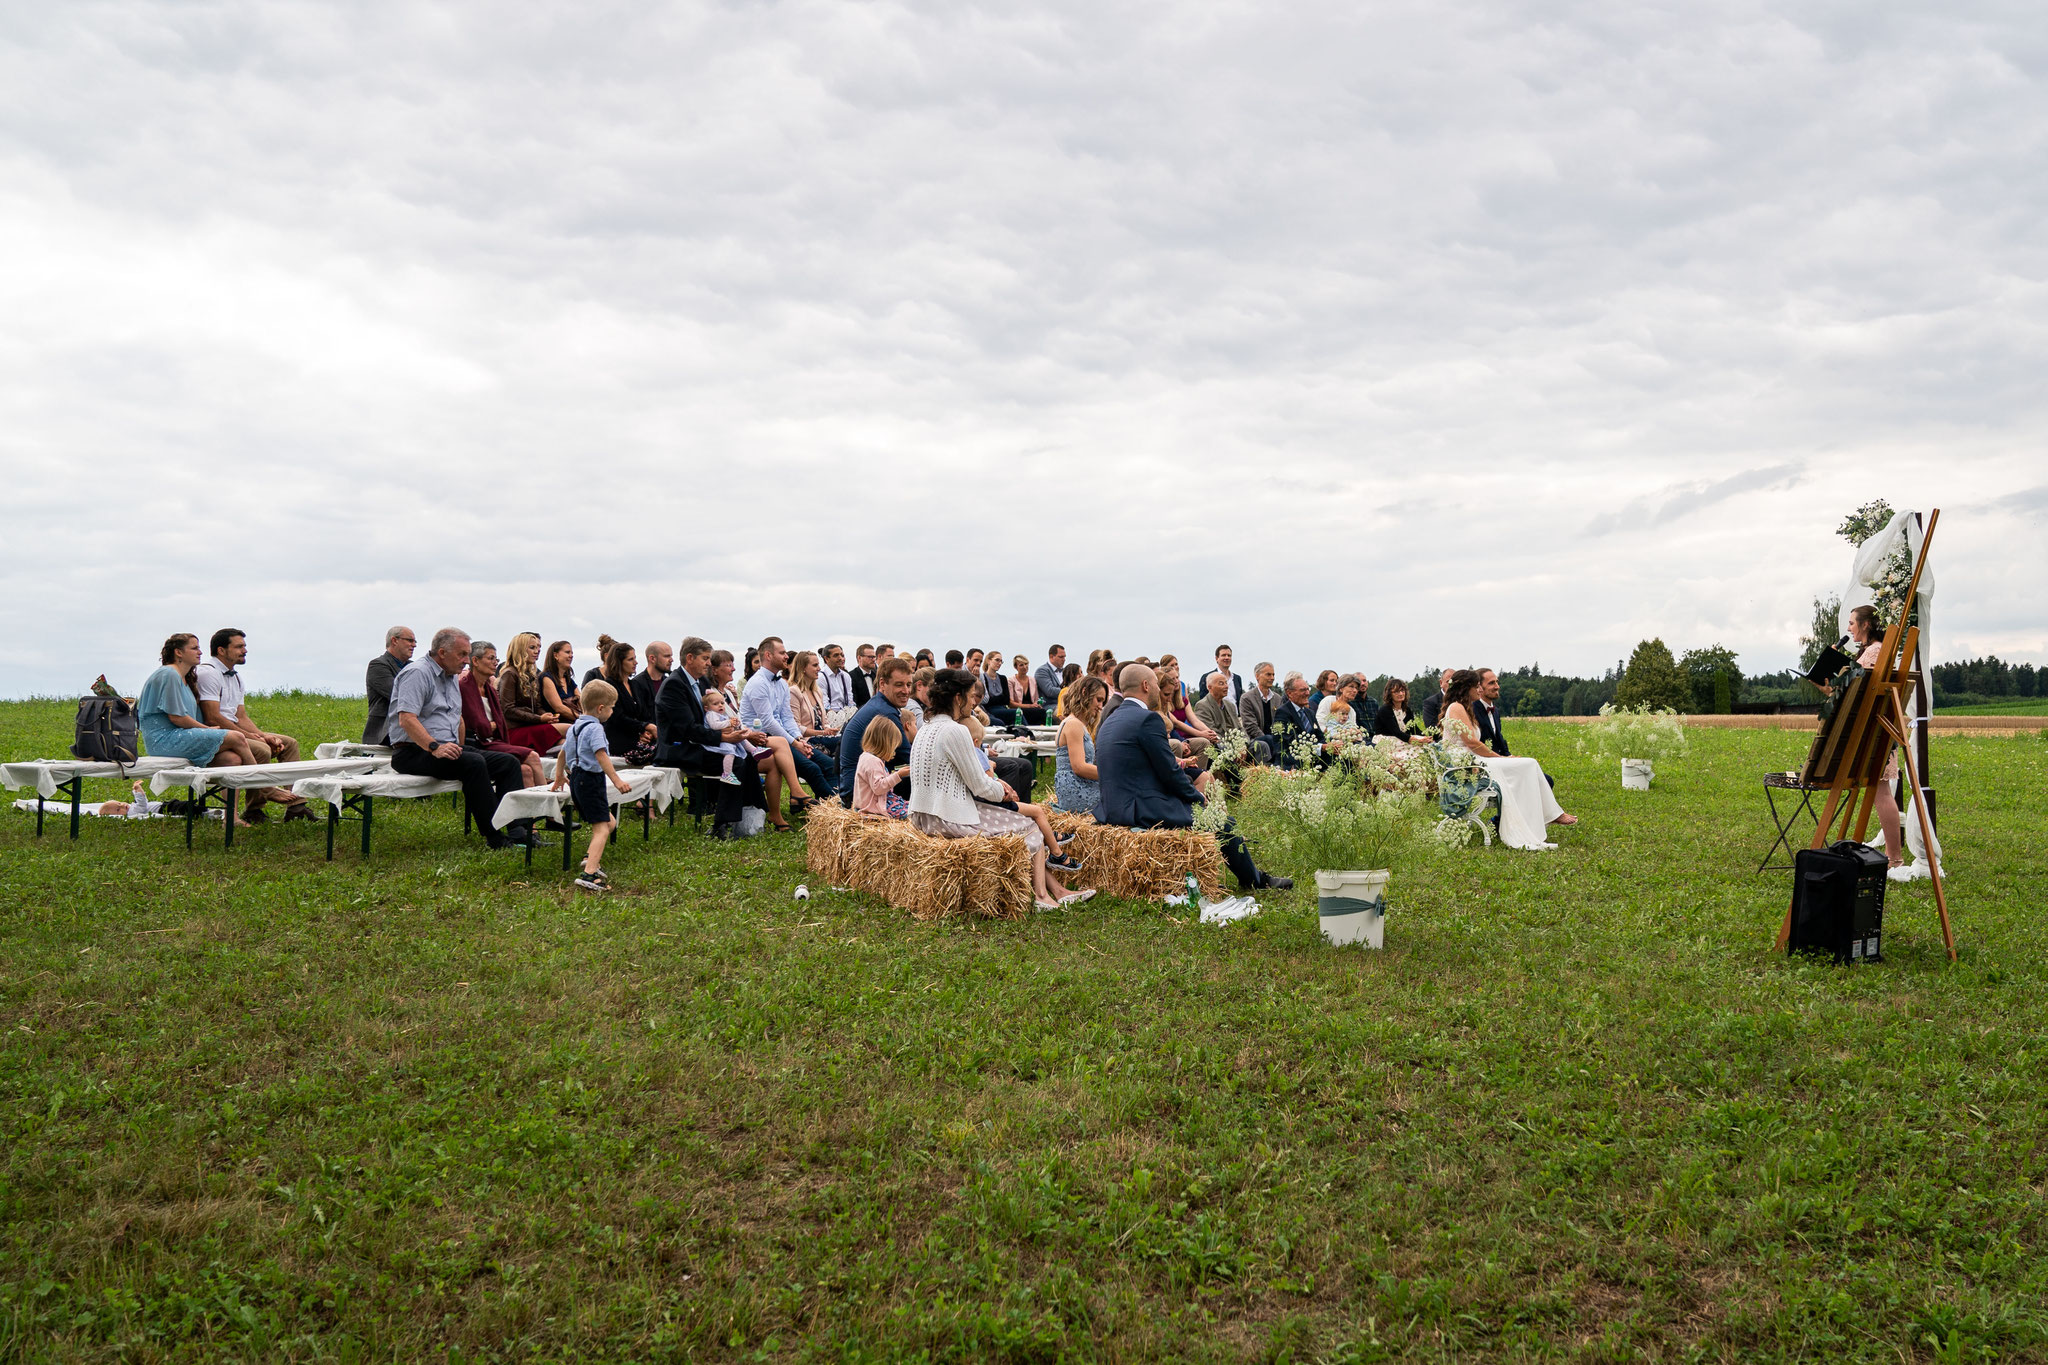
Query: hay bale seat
(930, 877)
(1141, 864)
(991, 878)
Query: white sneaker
(1077, 897)
(1047, 905)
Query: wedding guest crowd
(891, 736)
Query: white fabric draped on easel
(1902, 529)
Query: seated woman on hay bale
(952, 797)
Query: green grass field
(260, 1106)
(2016, 706)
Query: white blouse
(945, 774)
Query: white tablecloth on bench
(669, 782)
(664, 785)
(247, 775)
(333, 788)
(44, 774)
(349, 748)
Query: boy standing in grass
(584, 765)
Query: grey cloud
(705, 314)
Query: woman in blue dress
(1075, 780)
(169, 714)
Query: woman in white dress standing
(1526, 803)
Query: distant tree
(1714, 678)
(1653, 679)
(1826, 629)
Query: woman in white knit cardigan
(946, 778)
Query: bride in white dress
(1527, 805)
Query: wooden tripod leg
(1863, 809)
(1948, 936)
(1820, 840)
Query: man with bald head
(1143, 785)
(647, 682)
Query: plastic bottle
(1194, 890)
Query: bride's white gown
(1526, 803)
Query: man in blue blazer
(1293, 721)
(1144, 787)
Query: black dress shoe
(1274, 883)
(722, 833)
(520, 839)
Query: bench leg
(369, 813)
(333, 819)
(228, 815)
(191, 808)
(568, 831)
(646, 818)
(76, 783)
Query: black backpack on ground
(108, 731)
(1838, 902)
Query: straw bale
(1141, 864)
(932, 878)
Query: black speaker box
(1838, 902)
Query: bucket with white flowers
(1638, 736)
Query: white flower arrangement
(1634, 732)
(1328, 821)
(1888, 594)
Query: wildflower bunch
(1634, 732)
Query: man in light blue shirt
(426, 737)
(764, 705)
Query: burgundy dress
(484, 717)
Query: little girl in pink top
(874, 786)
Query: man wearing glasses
(399, 643)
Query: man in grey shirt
(399, 643)
(426, 738)
(1047, 678)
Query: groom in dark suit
(1144, 787)
(1487, 717)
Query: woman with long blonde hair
(528, 721)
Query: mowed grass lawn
(261, 1106)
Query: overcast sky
(1371, 336)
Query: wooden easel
(1848, 755)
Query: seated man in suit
(1294, 720)
(1433, 704)
(1486, 714)
(1047, 678)
(1215, 710)
(683, 736)
(1144, 787)
(399, 643)
(1234, 692)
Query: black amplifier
(1838, 902)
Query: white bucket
(1353, 907)
(1636, 774)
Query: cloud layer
(1384, 337)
